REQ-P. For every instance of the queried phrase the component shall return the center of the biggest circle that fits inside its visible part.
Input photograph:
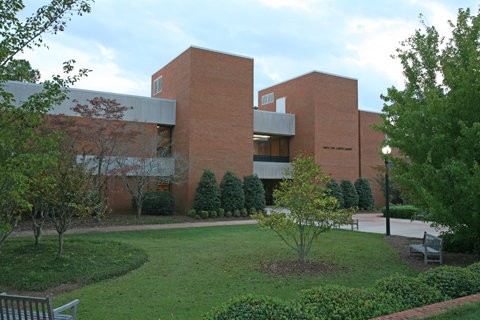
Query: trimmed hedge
(453, 282)
(158, 203)
(409, 292)
(339, 302)
(252, 307)
(402, 211)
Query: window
(270, 148)
(164, 143)
(268, 98)
(157, 85)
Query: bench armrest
(71, 305)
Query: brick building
(202, 105)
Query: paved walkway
(367, 222)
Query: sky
(124, 42)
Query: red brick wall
(214, 126)
(326, 120)
(370, 153)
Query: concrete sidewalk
(367, 222)
(375, 223)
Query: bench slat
(430, 246)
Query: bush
(402, 211)
(350, 195)
(244, 212)
(254, 192)
(228, 214)
(454, 282)
(253, 210)
(158, 203)
(237, 213)
(231, 190)
(204, 214)
(458, 242)
(338, 302)
(365, 196)
(409, 292)
(207, 194)
(221, 213)
(336, 192)
(213, 214)
(254, 308)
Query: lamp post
(386, 151)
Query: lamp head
(386, 150)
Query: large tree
(304, 207)
(19, 119)
(434, 122)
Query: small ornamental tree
(207, 196)
(365, 196)
(350, 195)
(303, 207)
(336, 192)
(232, 194)
(254, 193)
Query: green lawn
(469, 311)
(190, 270)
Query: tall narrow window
(157, 85)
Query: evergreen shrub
(350, 195)
(232, 194)
(207, 195)
(336, 192)
(453, 282)
(158, 203)
(254, 193)
(365, 196)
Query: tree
(207, 194)
(336, 192)
(434, 122)
(19, 119)
(20, 70)
(99, 140)
(231, 192)
(350, 195)
(365, 196)
(303, 207)
(254, 193)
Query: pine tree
(207, 196)
(231, 190)
(365, 197)
(254, 193)
(336, 192)
(350, 195)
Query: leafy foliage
(409, 292)
(303, 207)
(158, 203)
(20, 70)
(336, 192)
(19, 121)
(207, 195)
(350, 195)
(254, 193)
(403, 212)
(435, 124)
(250, 307)
(453, 282)
(365, 196)
(232, 194)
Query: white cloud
(106, 74)
(308, 6)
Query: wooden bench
(353, 223)
(431, 246)
(14, 307)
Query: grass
(28, 267)
(470, 311)
(191, 270)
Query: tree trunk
(139, 208)
(60, 245)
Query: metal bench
(353, 223)
(431, 246)
(13, 307)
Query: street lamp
(386, 151)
